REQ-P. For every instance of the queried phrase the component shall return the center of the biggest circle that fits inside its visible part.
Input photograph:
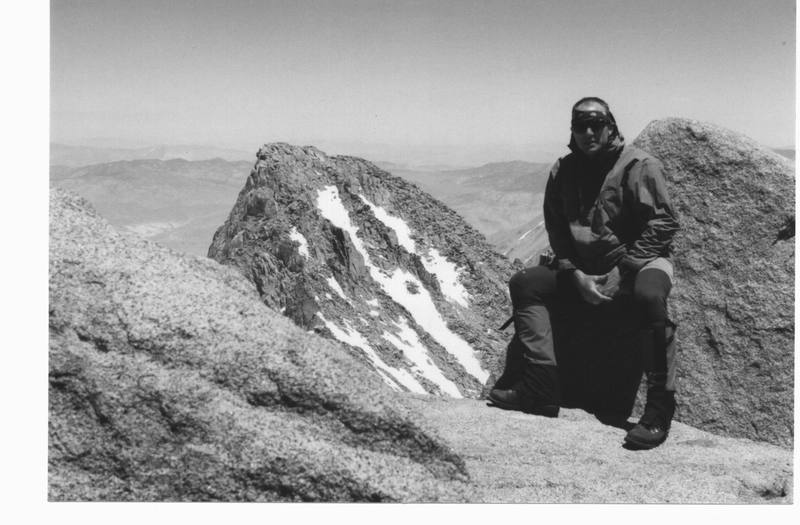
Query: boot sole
(644, 445)
(544, 410)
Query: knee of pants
(531, 285)
(652, 304)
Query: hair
(592, 99)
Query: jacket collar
(607, 158)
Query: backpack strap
(627, 172)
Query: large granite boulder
(170, 380)
(348, 250)
(734, 265)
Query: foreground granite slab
(519, 458)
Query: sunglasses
(595, 123)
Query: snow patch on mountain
(300, 239)
(448, 275)
(391, 376)
(404, 288)
(334, 284)
(445, 271)
(408, 341)
(397, 224)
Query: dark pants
(546, 304)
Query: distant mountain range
(786, 152)
(178, 203)
(82, 155)
(73, 156)
(503, 200)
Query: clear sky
(496, 77)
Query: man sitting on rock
(610, 225)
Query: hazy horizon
(414, 82)
(430, 155)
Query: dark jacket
(611, 211)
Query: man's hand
(588, 287)
(609, 283)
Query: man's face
(590, 128)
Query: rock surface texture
(169, 380)
(348, 250)
(734, 265)
(519, 458)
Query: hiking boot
(542, 410)
(646, 435)
(505, 399)
(512, 400)
(653, 427)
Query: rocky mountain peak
(349, 251)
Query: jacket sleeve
(556, 223)
(653, 211)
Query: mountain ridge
(75, 156)
(176, 202)
(349, 250)
(497, 198)
(176, 228)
